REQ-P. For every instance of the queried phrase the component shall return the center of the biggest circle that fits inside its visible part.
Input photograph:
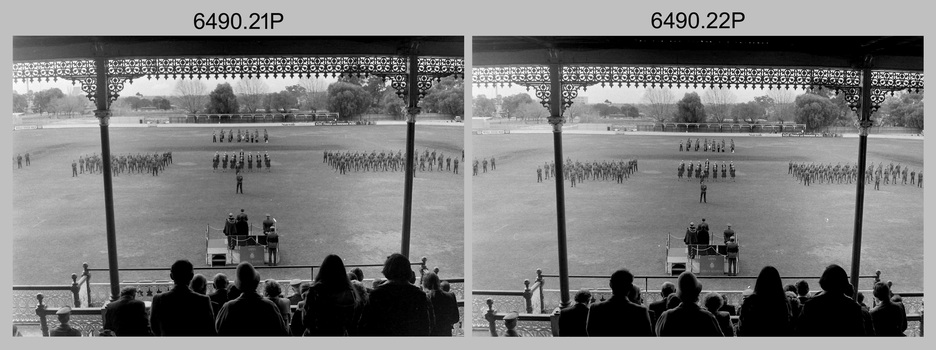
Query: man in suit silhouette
(127, 316)
(619, 316)
(658, 307)
(572, 320)
(688, 319)
(180, 311)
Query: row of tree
(815, 108)
(51, 101)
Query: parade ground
(778, 220)
(59, 220)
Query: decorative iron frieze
(52, 70)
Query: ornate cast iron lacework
(120, 71)
(573, 77)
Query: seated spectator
(444, 306)
(657, 307)
(727, 306)
(572, 320)
(296, 328)
(865, 314)
(396, 307)
(713, 301)
(249, 314)
(619, 316)
(688, 319)
(445, 286)
(64, 329)
(181, 311)
(802, 292)
(332, 306)
(831, 313)
(358, 287)
(795, 305)
(296, 297)
(766, 312)
(220, 294)
(126, 316)
(273, 292)
(889, 319)
(199, 285)
(359, 274)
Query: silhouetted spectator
(802, 292)
(181, 311)
(727, 306)
(688, 319)
(249, 314)
(273, 292)
(831, 313)
(766, 312)
(199, 285)
(510, 322)
(795, 305)
(865, 314)
(619, 316)
(445, 286)
(658, 307)
(573, 319)
(396, 307)
(127, 316)
(444, 306)
(713, 301)
(890, 320)
(359, 287)
(220, 294)
(296, 296)
(64, 329)
(296, 328)
(332, 307)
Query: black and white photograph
(697, 186)
(238, 186)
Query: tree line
(350, 96)
(817, 109)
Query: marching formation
(237, 161)
(129, 163)
(705, 170)
(578, 172)
(246, 136)
(810, 173)
(346, 161)
(706, 145)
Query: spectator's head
(688, 288)
(64, 314)
(397, 268)
(667, 288)
(859, 298)
(621, 281)
(834, 280)
(802, 288)
(128, 292)
(304, 288)
(332, 274)
(583, 296)
(882, 292)
(352, 277)
(634, 295)
(768, 283)
(182, 272)
(247, 279)
(446, 287)
(431, 281)
(724, 298)
(242, 210)
(712, 301)
(295, 284)
(220, 281)
(199, 284)
(510, 320)
(359, 273)
(789, 288)
(272, 289)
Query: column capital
(864, 127)
(411, 113)
(103, 116)
(556, 121)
